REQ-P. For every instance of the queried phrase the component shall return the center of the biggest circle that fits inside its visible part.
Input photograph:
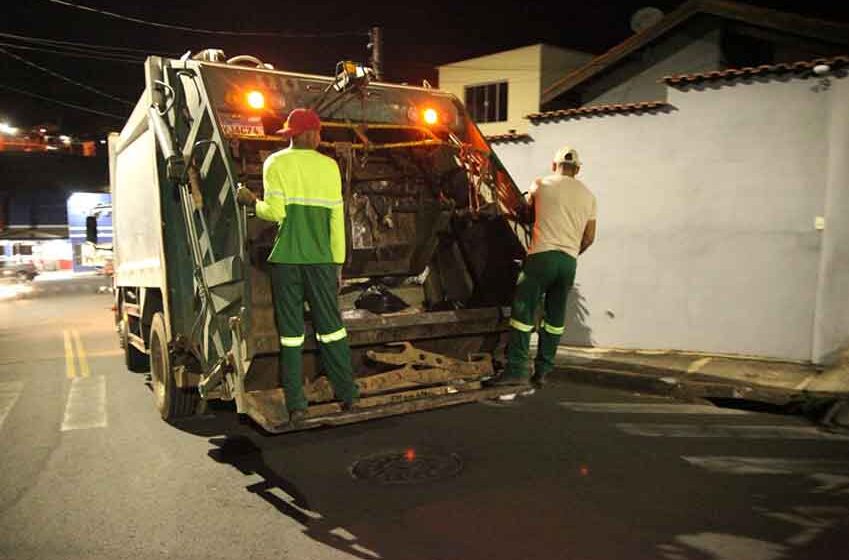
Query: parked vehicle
(18, 269)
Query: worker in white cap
(564, 227)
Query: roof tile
(508, 137)
(762, 70)
(612, 109)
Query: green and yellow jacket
(303, 194)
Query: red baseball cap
(299, 121)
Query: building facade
(500, 89)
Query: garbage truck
(435, 237)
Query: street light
(6, 128)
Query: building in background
(700, 36)
(34, 192)
(500, 89)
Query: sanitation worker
(564, 227)
(302, 193)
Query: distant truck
(90, 227)
(434, 240)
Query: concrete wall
(706, 235)
(831, 332)
(694, 49)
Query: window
(20, 249)
(487, 102)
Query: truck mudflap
(425, 380)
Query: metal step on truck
(433, 232)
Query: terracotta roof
(625, 108)
(767, 69)
(509, 137)
(833, 32)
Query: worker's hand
(339, 279)
(245, 196)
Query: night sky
(417, 37)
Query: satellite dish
(645, 18)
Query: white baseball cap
(567, 154)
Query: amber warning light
(255, 99)
(430, 116)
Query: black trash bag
(378, 299)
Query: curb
(828, 409)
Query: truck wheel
(171, 401)
(136, 360)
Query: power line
(87, 52)
(73, 54)
(65, 78)
(64, 103)
(78, 46)
(207, 31)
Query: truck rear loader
(433, 232)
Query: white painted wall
(832, 320)
(706, 219)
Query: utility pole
(376, 46)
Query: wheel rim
(158, 369)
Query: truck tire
(172, 402)
(136, 360)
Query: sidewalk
(823, 393)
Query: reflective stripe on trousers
(550, 329)
(332, 337)
(292, 341)
(520, 326)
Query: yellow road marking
(697, 365)
(105, 353)
(81, 355)
(70, 368)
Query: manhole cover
(407, 467)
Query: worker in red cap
(303, 195)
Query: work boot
(538, 381)
(508, 381)
(352, 405)
(296, 417)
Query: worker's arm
(532, 191)
(526, 212)
(337, 224)
(588, 237)
(273, 206)
(589, 230)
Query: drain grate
(407, 467)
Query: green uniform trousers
(290, 283)
(547, 275)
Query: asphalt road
(88, 470)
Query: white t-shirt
(563, 205)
